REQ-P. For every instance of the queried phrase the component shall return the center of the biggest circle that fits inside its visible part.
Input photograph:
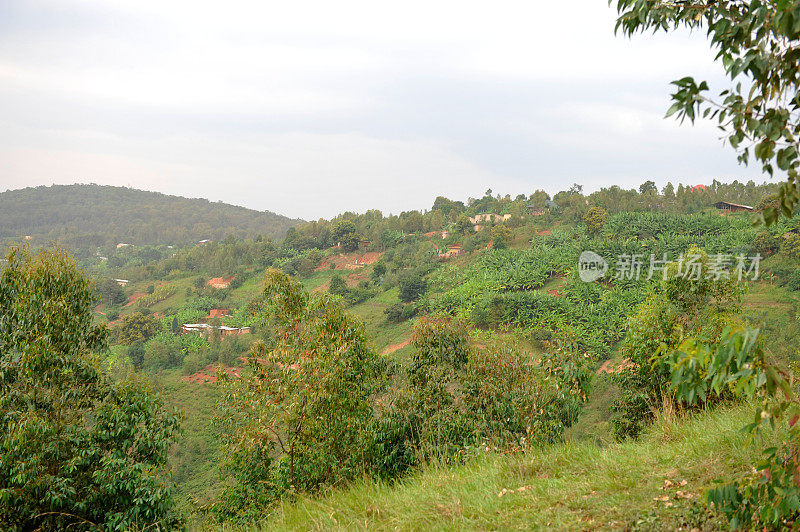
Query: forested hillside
(86, 217)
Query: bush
(765, 243)
(791, 246)
(412, 286)
(394, 313)
(501, 236)
(595, 219)
(455, 402)
(794, 281)
(162, 351)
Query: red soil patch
(347, 261)
(209, 374)
(546, 232)
(389, 349)
(554, 292)
(220, 282)
(609, 367)
(136, 296)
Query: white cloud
(312, 107)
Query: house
(206, 329)
(698, 188)
(206, 241)
(218, 313)
(122, 245)
(533, 210)
(28, 237)
(122, 282)
(550, 204)
(453, 250)
(220, 282)
(489, 217)
(732, 207)
(363, 244)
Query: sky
(313, 108)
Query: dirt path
(389, 349)
(134, 298)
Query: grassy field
(653, 484)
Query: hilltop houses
(489, 217)
(453, 250)
(533, 210)
(206, 329)
(218, 313)
(732, 207)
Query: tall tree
(78, 450)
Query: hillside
(85, 217)
(651, 484)
(530, 428)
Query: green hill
(85, 217)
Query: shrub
(394, 313)
(794, 281)
(595, 219)
(765, 243)
(455, 402)
(501, 236)
(791, 246)
(412, 286)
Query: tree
(538, 199)
(412, 285)
(413, 222)
(464, 225)
(756, 43)
(669, 191)
(137, 327)
(501, 236)
(111, 292)
(648, 188)
(346, 234)
(337, 286)
(79, 450)
(595, 219)
(300, 417)
(791, 246)
(378, 271)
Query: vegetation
(384, 363)
(84, 218)
(79, 450)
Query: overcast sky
(311, 108)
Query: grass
(571, 486)
(195, 475)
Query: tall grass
(567, 486)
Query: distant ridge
(85, 217)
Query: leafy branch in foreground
(770, 497)
(758, 43)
